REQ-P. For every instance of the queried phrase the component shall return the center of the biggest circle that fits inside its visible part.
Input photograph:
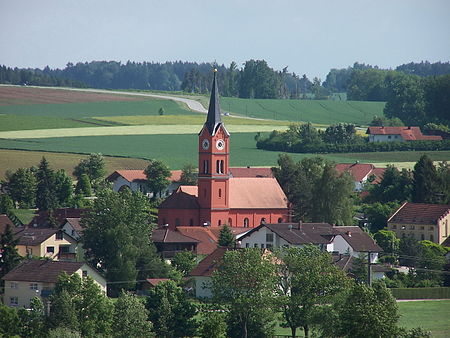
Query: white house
(398, 134)
(37, 278)
(136, 180)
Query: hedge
(279, 144)
(421, 293)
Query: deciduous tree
(188, 175)
(22, 187)
(158, 174)
(184, 261)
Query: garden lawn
(433, 316)
(177, 150)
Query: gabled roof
(420, 213)
(300, 233)
(251, 172)
(138, 175)
(256, 193)
(60, 215)
(181, 200)
(359, 240)
(207, 239)
(156, 281)
(164, 235)
(34, 236)
(75, 223)
(407, 133)
(4, 221)
(359, 171)
(42, 271)
(210, 263)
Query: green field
(177, 150)
(433, 316)
(324, 112)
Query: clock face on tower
(220, 144)
(205, 144)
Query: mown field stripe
(127, 130)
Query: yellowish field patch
(184, 119)
(128, 130)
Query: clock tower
(213, 165)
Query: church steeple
(213, 121)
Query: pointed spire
(213, 120)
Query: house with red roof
(362, 173)
(221, 197)
(136, 180)
(399, 134)
(423, 221)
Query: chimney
(300, 223)
(349, 233)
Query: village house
(349, 240)
(37, 278)
(220, 198)
(422, 221)
(362, 173)
(398, 134)
(136, 180)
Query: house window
(412, 227)
(431, 229)
(14, 285)
(262, 246)
(219, 167)
(50, 249)
(269, 237)
(422, 237)
(205, 166)
(34, 286)
(255, 245)
(389, 137)
(422, 228)
(246, 222)
(268, 245)
(247, 245)
(64, 249)
(59, 235)
(431, 238)
(13, 301)
(84, 273)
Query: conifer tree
(425, 182)
(9, 257)
(45, 192)
(226, 237)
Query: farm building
(399, 134)
(220, 198)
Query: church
(220, 197)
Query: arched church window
(219, 222)
(205, 166)
(280, 220)
(230, 222)
(263, 220)
(204, 193)
(220, 193)
(222, 170)
(246, 222)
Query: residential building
(220, 198)
(169, 242)
(136, 180)
(421, 220)
(362, 173)
(398, 134)
(37, 278)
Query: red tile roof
(359, 171)
(156, 281)
(210, 263)
(207, 238)
(420, 213)
(251, 172)
(407, 133)
(256, 193)
(138, 175)
(181, 200)
(42, 271)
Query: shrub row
(421, 293)
(279, 144)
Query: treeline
(36, 77)
(339, 138)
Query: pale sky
(307, 36)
